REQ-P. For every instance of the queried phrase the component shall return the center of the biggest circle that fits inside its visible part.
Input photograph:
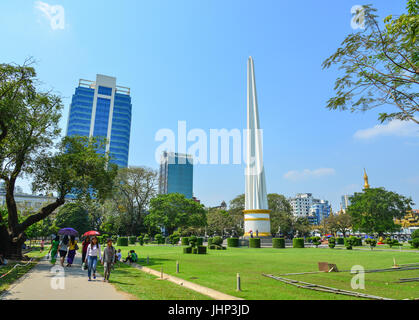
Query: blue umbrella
(68, 232)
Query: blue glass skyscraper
(103, 109)
(176, 174)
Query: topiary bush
(340, 241)
(159, 239)
(233, 242)
(193, 241)
(174, 238)
(132, 239)
(200, 241)
(278, 243)
(415, 234)
(194, 250)
(209, 241)
(202, 250)
(217, 241)
(414, 243)
(122, 242)
(212, 247)
(332, 242)
(185, 241)
(254, 243)
(146, 238)
(140, 240)
(372, 243)
(315, 241)
(187, 250)
(298, 243)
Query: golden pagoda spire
(366, 185)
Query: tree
(76, 168)
(374, 210)
(381, 66)
(281, 213)
(219, 220)
(343, 223)
(173, 210)
(73, 215)
(134, 188)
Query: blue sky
(186, 60)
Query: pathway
(43, 283)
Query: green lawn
(218, 270)
(148, 287)
(18, 272)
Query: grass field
(18, 272)
(218, 270)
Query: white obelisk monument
(256, 213)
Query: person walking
(63, 249)
(54, 249)
(42, 245)
(91, 257)
(84, 246)
(72, 248)
(108, 259)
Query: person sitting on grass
(118, 256)
(3, 260)
(132, 257)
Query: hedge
(254, 243)
(278, 243)
(195, 250)
(132, 240)
(202, 249)
(355, 241)
(122, 242)
(340, 241)
(187, 250)
(200, 241)
(217, 240)
(298, 243)
(233, 242)
(209, 241)
(185, 241)
(414, 243)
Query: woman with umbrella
(64, 245)
(85, 244)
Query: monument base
(258, 221)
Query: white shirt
(93, 251)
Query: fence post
(238, 283)
(177, 266)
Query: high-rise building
(319, 210)
(305, 206)
(345, 201)
(176, 174)
(103, 109)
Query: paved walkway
(44, 282)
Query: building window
(105, 91)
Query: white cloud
(393, 128)
(54, 13)
(295, 175)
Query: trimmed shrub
(187, 250)
(140, 240)
(193, 241)
(414, 243)
(200, 241)
(298, 243)
(159, 239)
(340, 241)
(185, 241)
(122, 242)
(233, 242)
(278, 243)
(254, 243)
(209, 241)
(217, 241)
(315, 241)
(174, 238)
(224, 248)
(371, 242)
(132, 240)
(218, 247)
(212, 247)
(146, 238)
(332, 242)
(194, 250)
(415, 234)
(202, 249)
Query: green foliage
(187, 250)
(340, 241)
(414, 243)
(174, 238)
(122, 242)
(140, 240)
(185, 241)
(132, 239)
(298, 243)
(392, 242)
(194, 250)
(159, 238)
(353, 241)
(202, 250)
(233, 242)
(254, 243)
(73, 215)
(316, 241)
(371, 242)
(217, 240)
(173, 210)
(146, 238)
(278, 243)
(374, 210)
(332, 242)
(380, 66)
(210, 241)
(193, 241)
(415, 234)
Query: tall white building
(301, 204)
